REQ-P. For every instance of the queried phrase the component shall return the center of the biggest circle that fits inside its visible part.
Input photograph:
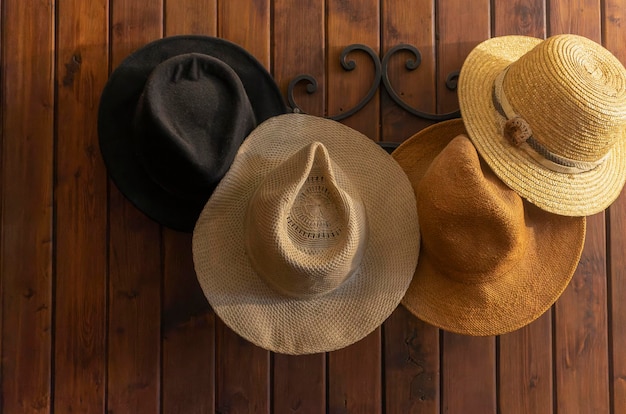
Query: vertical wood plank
(581, 343)
(354, 372)
(525, 362)
(243, 369)
(461, 26)
(81, 195)
(614, 32)
(349, 23)
(247, 23)
(191, 17)
(525, 355)
(468, 374)
(188, 323)
(411, 359)
(135, 253)
(468, 363)
(299, 48)
(299, 384)
(242, 374)
(522, 17)
(26, 248)
(417, 88)
(188, 326)
(411, 365)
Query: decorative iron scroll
(380, 73)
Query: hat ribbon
(517, 130)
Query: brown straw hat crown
(310, 240)
(549, 117)
(490, 262)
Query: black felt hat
(172, 117)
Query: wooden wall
(101, 311)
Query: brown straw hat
(490, 262)
(310, 240)
(549, 117)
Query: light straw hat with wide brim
(265, 266)
(490, 262)
(549, 117)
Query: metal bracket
(380, 73)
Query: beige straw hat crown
(310, 240)
(549, 117)
(490, 262)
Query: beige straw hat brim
(502, 302)
(579, 194)
(358, 306)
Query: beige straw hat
(549, 117)
(490, 262)
(310, 240)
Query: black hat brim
(117, 108)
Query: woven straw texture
(572, 93)
(367, 183)
(490, 262)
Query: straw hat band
(306, 225)
(519, 133)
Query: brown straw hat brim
(294, 325)
(512, 299)
(578, 194)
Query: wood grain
(100, 309)
(613, 34)
(525, 365)
(411, 347)
(299, 48)
(26, 246)
(188, 329)
(525, 356)
(188, 323)
(468, 372)
(243, 369)
(353, 23)
(81, 204)
(354, 373)
(135, 255)
(581, 343)
(412, 374)
(299, 383)
(190, 17)
(354, 377)
(417, 87)
(468, 363)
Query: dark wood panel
(81, 204)
(299, 383)
(525, 356)
(190, 17)
(351, 23)
(468, 363)
(581, 341)
(188, 323)
(243, 369)
(411, 358)
(188, 329)
(525, 364)
(416, 88)
(27, 169)
(613, 36)
(132, 331)
(412, 366)
(354, 372)
(135, 254)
